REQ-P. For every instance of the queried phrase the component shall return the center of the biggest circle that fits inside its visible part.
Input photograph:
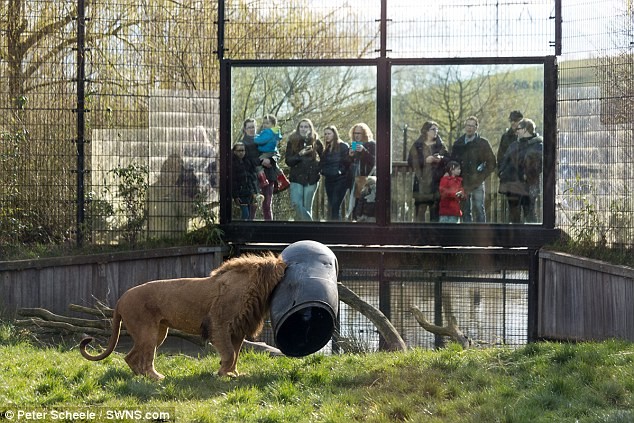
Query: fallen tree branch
(67, 327)
(44, 314)
(451, 330)
(382, 323)
(101, 310)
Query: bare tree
(448, 95)
(326, 95)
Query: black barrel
(304, 304)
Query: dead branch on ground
(451, 330)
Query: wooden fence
(57, 282)
(583, 299)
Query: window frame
(385, 232)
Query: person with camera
(508, 137)
(363, 154)
(427, 157)
(303, 152)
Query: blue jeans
(474, 203)
(246, 206)
(302, 200)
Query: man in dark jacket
(477, 161)
(510, 134)
(508, 137)
(521, 174)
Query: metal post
(225, 119)
(405, 128)
(383, 29)
(81, 122)
(558, 31)
(533, 295)
(438, 341)
(385, 298)
(504, 306)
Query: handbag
(359, 183)
(360, 180)
(513, 188)
(282, 183)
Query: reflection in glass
(445, 96)
(336, 97)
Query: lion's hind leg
(141, 356)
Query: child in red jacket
(451, 194)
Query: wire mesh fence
(490, 308)
(595, 202)
(149, 121)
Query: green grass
(542, 382)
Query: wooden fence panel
(583, 299)
(55, 283)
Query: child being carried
(267, 141)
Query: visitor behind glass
(427, 157)
(244, 186)
(335, 166)
(303, 153)
(477, 161)
(521, 173)
(451, 194)
(253, 155)
(363, 153)
(508, 137)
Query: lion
(224, 308)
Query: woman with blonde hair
(302, 156)
(363, 154)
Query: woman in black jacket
(363, 153)
(335, 166)
(302, 156)
(427, 157)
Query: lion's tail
(114, 340)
